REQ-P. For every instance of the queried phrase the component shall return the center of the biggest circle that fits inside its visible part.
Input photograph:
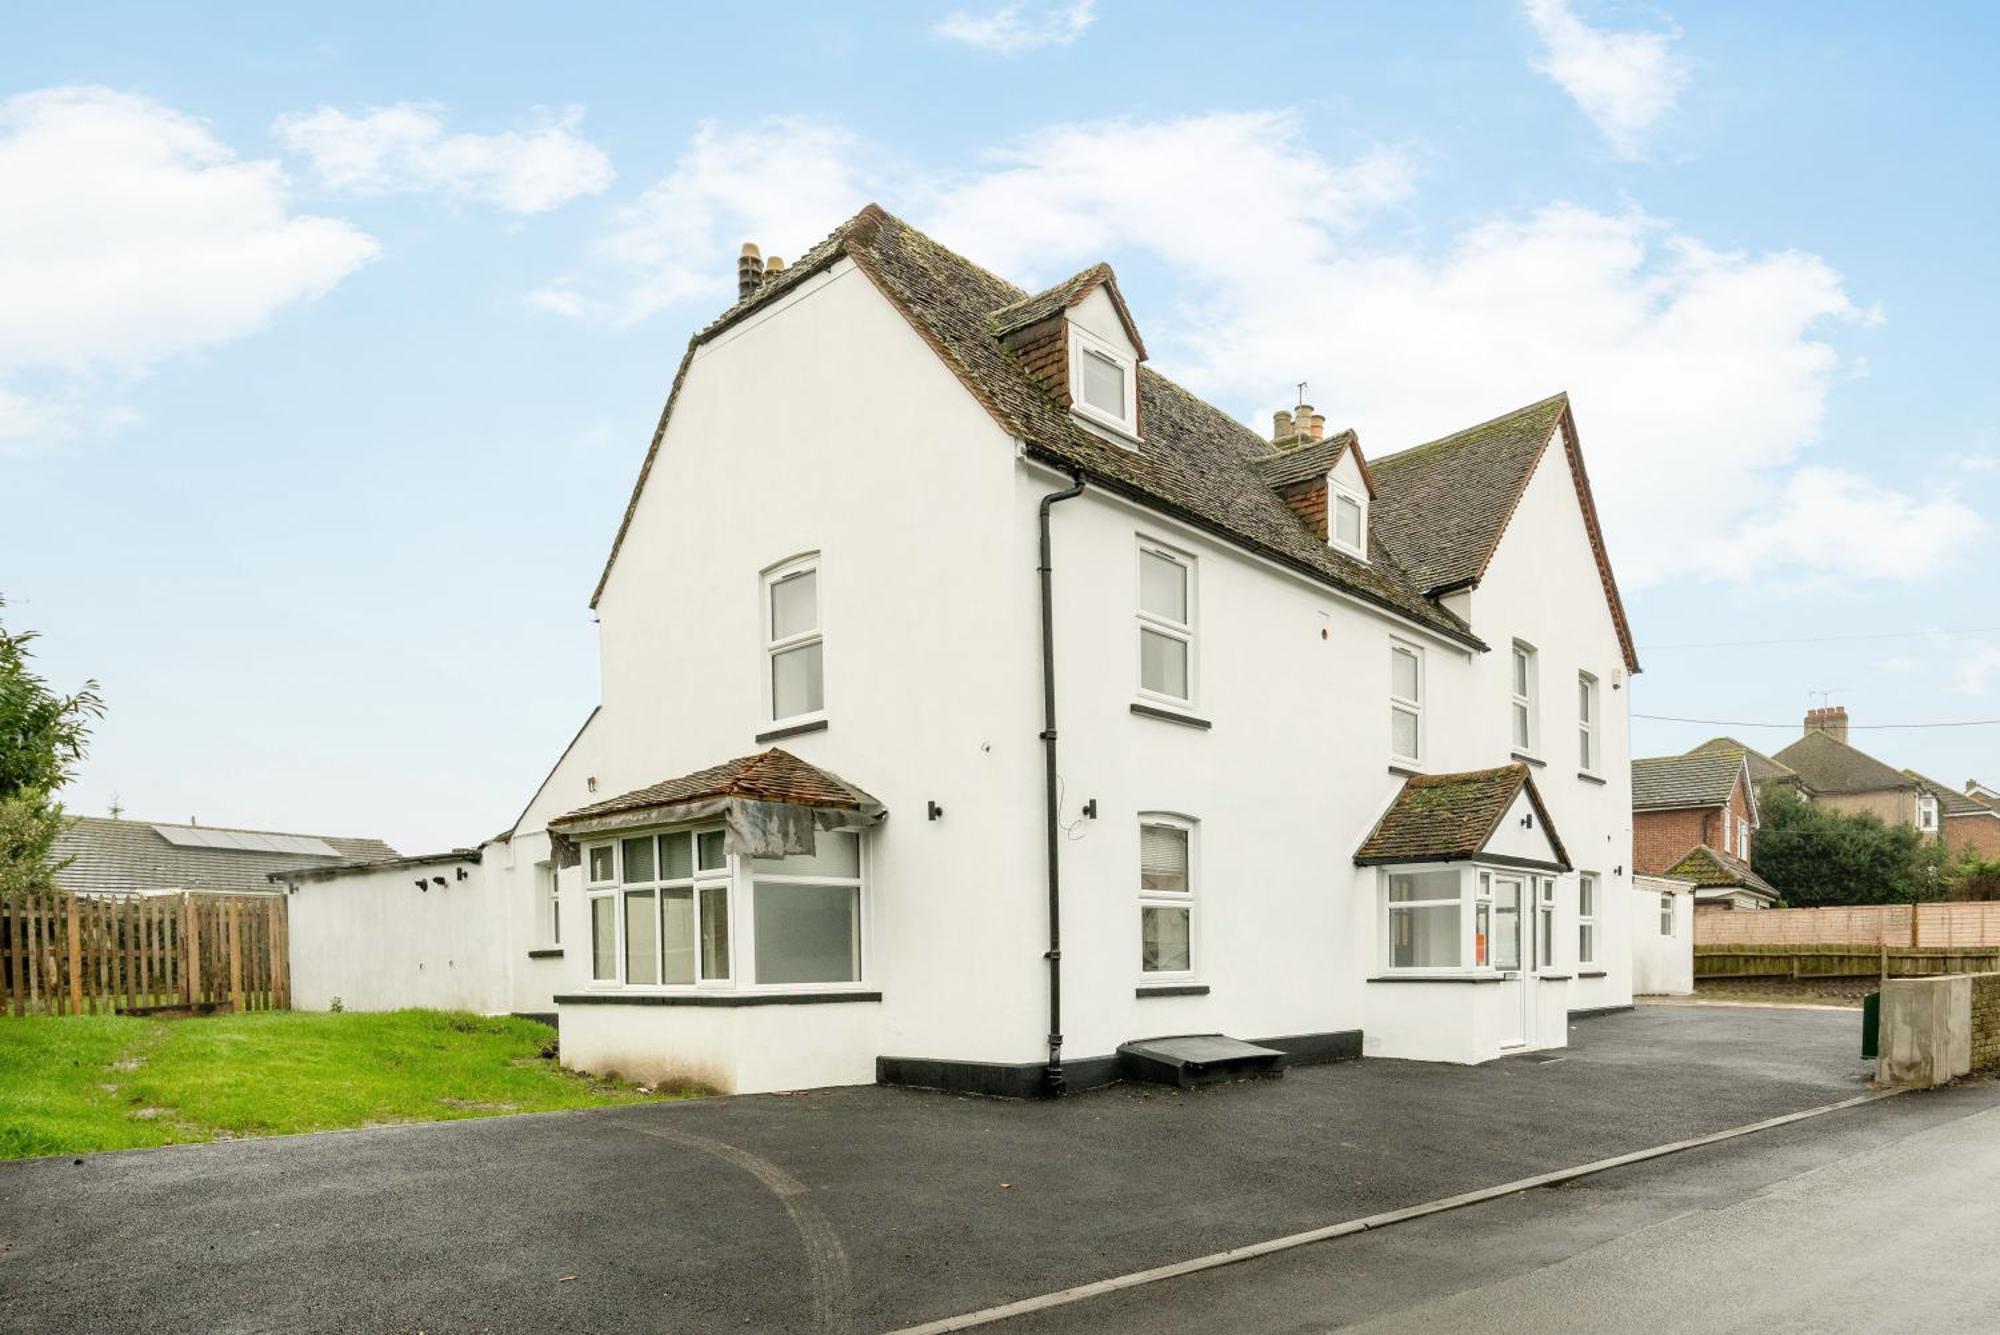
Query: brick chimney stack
(749, 270)
(1832, 721)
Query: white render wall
(375, 942)
(1662, 965)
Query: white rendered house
(977, 702)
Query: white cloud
(1975, 671)
(1012, 29)
(784, 184)
(1701, 377)
(1624, 81)
(131, 234)
(406, 147)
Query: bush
(1814, 855)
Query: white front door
(1510, 945)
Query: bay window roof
(1455, 818)
(770, 804)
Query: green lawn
(76, 1084)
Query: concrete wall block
(1926, 1035)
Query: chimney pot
(1318, 426)
(773, 267)
(1831, 720)
(749, 270)
(1281, 426)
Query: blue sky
(330, 341)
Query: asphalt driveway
(859, 1209)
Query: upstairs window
(1406, 702)
(793, 642)
(1166, 625)
(1103, 383)
(1524, 723)
(1349, 519)
(1586, 722)
(1927, 812)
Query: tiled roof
(1711, 870)
(769, 776)
(1698, 779)
(1827, 765)
(122, 856)
(1302, 463)
(1442, 507)
(1045, 304)
(1450, 817)
(1197, 462)
(1951, 801)
(1762, 768)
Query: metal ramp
(1188, 1060)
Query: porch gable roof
(1453, 817)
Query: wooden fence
(1974, 923)
(1840, 961)
(63, 954)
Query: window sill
(791, 730)
(1409, 769)
(1592, 973)
(1554, 977)
(623, 998)
(1171, 716)
(1437, 978)
(1172, 990)
(1536, 761)
(1588, 777)
(546, 953)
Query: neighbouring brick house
(1832, 772)
(1694, 818)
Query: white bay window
(1425, 913)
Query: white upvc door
(1511, 944)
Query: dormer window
(1349, 527)
(1104, 383)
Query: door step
(1187, 1060)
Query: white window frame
(1667, 914)
(1588, 888)
(1172, 899)
(1469, 909)
(1927, 813)
(1523, 704)
(1543, 889)
(1336, 491)
(1083, 343)
(548, 905)
(774, 645)
(1589, 735)
(1402, 705)
(1187, 633)
(750, 879)
(699, 880)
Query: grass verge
(77, 1084)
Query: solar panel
(245, 841)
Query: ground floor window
(548, 905)
(1424, 917)
(807, 913)
(660, 909)
(1545, 922)
(1586, 917)
(1666, 914)
(1166, 895)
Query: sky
(331, 337)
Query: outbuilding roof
(1710, 869)
(1828, 765)
(1196, 463)
(775, 775)
(131, 856)
(1698, 779)
(1451, 817)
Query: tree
(1969, 876)
(43, 736)
(1815, 855)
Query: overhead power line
(1794, 723)
(1822, 639)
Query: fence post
(190, 952)
(75, 957)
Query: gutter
(1051, 787)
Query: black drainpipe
(1054, 956)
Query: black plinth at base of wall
(1029, 1080)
